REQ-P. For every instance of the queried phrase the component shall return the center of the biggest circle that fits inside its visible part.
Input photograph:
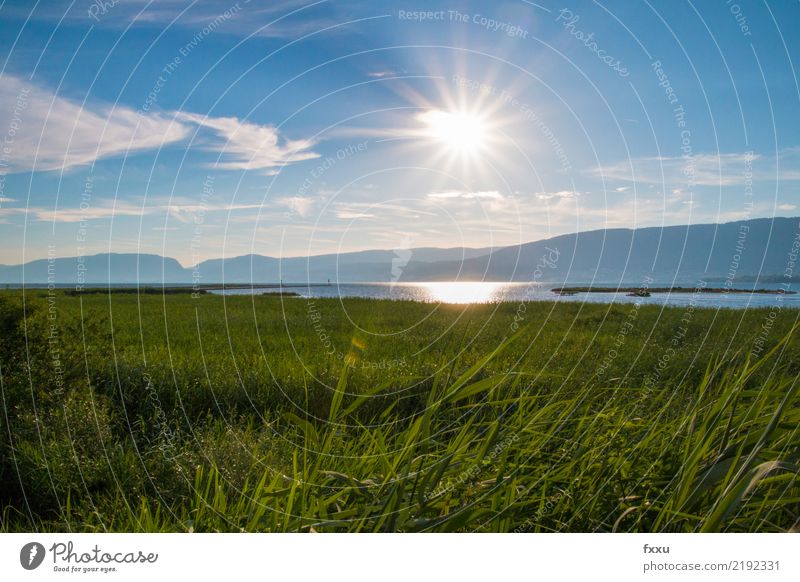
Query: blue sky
(217, 128)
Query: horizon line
(490, 248)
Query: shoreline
(651, 290)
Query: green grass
(172, 413)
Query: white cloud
(297, 204)
(54, 133)
(4, 199)
(249, 146)
(787, 207)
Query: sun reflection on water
(461, 291)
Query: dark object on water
(279, 294)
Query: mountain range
(763, 247)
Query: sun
(459, 132)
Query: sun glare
(461, 291)
(459, 132)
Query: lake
(491, 292)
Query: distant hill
(742, 250)
(373, 265)
(101, 268)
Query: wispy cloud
(249, 146)
(284, 19)
(705, 169)
(390, 211)
(54, 133)
(6, 213)
(121, 209)
(186, 212)
(350, 215)
(382, 73)
(559, 194)
(465, 194)
(183, 212)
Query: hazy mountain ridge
(99, 268)
(681, 253)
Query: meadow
(151, 412)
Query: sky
(200, 130)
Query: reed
(276, 414)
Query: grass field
(173, 413)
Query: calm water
(466, 292)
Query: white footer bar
(414, 557)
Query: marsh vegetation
(258, 413)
